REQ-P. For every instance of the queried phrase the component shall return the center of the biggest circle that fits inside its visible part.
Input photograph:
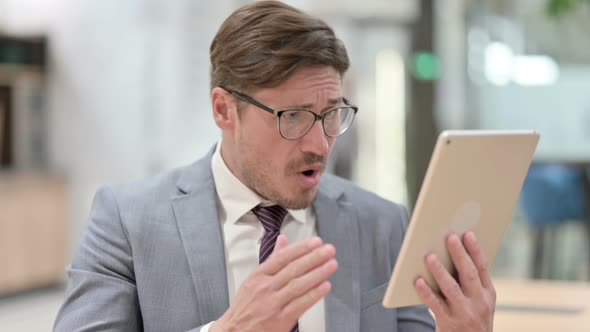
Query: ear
(224, 108)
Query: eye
(293, 115)
(330, 115)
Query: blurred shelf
(539, 306)
(32, 231)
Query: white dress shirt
(242, 234)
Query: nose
(316, 141)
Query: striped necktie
(271, 218)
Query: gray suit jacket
(152, 258)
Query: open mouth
(310, 177)
(309, 173)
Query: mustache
(307, 159)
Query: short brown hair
(260, 45)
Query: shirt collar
(235, 198)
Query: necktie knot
(271, 217)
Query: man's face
(286, 172)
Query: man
(199, 248)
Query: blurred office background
(95, 92)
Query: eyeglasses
(294, 123)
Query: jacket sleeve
(101, 293)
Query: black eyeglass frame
(278, 114)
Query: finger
(436, 303)
(298, 306)
(468, 274)
(282, 242)
(289, 253)
(303, 265)
(479, 259)
(448, 285)
(296, 287)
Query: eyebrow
(331, 102)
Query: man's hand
(468, 303)
(281, 289)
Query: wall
(129, 87)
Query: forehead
(312, 84)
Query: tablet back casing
(472, 183)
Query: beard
(264, 180)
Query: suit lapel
(198, 223)
(337, 224)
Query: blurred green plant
(558, 8)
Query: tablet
(472, 183)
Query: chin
(303, 201)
